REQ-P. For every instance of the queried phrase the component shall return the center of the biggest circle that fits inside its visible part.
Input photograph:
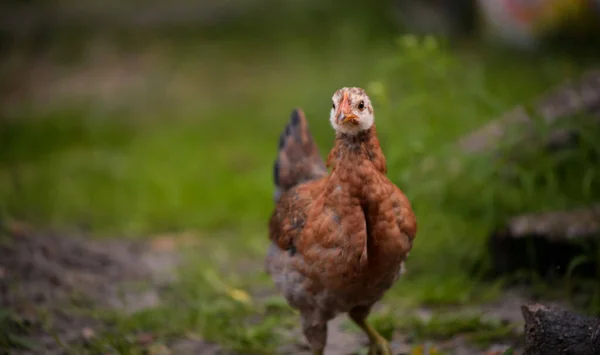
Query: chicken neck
(354, 148)
(357, 165)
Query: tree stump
(551, 330)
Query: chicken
(338, 240)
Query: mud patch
(51, 283)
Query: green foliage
(444, 326)
(13, 332)
(459, 199)
(385, 323)
(202, 160)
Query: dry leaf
(424, 350)
(18, 229)
(163, 244)
(417, 350)
(239, 295)
(170, 242)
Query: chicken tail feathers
(298, 157)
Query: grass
(442, 326)
(13, 332)
(194, 150)
(212, 302)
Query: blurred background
(156, 123)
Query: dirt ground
(42, 277)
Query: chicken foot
(378, 344)
(314, 326)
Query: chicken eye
(361, 105)
(334, 105)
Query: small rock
(195, 346)
(496, 350)
(400, 347)
(424, 314)
(87, 333)
(144, 339)
(163, 244)
(159, 349)
(55, 280)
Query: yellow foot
(380, 347)
(317, 352)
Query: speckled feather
(338, 240)
(299, 159)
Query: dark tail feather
(298, 158)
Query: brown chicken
(339, 240)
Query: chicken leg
(378, 344)
(314, 328)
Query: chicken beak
(345, 117)
(344, 112)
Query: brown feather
(339, 241)
(298, 159)
(353, 228)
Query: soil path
(48, 274)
